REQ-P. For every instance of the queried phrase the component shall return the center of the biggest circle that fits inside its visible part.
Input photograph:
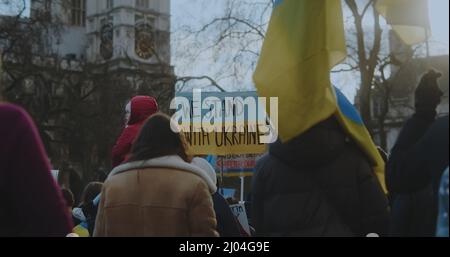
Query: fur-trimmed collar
(170, 162)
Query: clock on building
(144, 41)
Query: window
(78, 13)
(48, 5)
(143, 4)
(140, 18)
(109, 4)
(106, 38)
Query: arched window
(109, 4)
(142, 4)
(78, 13)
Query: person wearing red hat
(138, 110)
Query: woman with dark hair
(157, 192)
(90, 192)
(85, 215)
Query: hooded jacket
(141, 107)
(165, 197)
(32, 204)
(318, 184)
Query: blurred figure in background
(136, 113)
(69, 199)
(32, 202)
(442, 230)
(157, 192)
(417, 162)
(227, 225)
(84, 216)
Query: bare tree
(230, 41)
(234, 37)
(367, 55)
(77, 106)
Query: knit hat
(204, 165)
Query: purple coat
(31, 203)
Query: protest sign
(227, 192)
(235, 165)
(220, 123)
(241, 215)
(55, 174)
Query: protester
(417, 162)
(317, 184)
(69, 199)
(443, 207)
(226, 222)
(413, 177)
(139, 109)
(32, 203)
(85, 215)
(158, 192)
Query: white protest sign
(241, 215)
(55, 174)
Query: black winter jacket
(226, 222)
(318, 184)
(413, 173)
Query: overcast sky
(197, 12)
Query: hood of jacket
(168, 162)
(142, 107)
(207, 167)
(315, 148)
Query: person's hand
(428, 94)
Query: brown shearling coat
(164, 197)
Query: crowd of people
(317, 184)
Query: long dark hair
(157, 139)
(90, 192)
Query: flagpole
(242, 189)
(428, 50)
(427, 43)
(427, 28)
(221, 172)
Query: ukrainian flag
(353, 124)
(304, 41)
(408, 18)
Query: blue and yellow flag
(408, 18)
(81, 230)
(353, 124)
(304, 41)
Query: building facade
(111, 31)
